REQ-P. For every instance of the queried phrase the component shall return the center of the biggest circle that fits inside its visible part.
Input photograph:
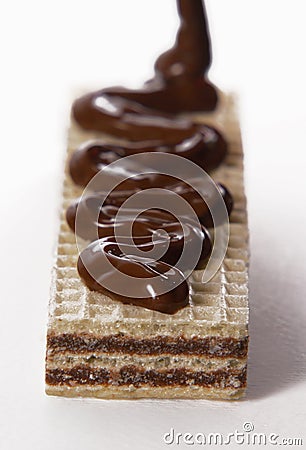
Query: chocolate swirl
(206, 147)
(147, 119)
(94, 206)
(93, 267)
(98, 220)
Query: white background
(49, 51)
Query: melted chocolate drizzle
(94, 209)
(179, 85)
(98, 253)
(206, 147)
(147, 119)
(146, 227)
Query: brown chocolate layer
(210, 346)
(132, 375)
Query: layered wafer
(100, 347)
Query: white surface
(49, 50)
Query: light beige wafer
(98, 347)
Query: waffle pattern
(219, 307)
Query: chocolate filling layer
(210, 346)
(131, 375)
